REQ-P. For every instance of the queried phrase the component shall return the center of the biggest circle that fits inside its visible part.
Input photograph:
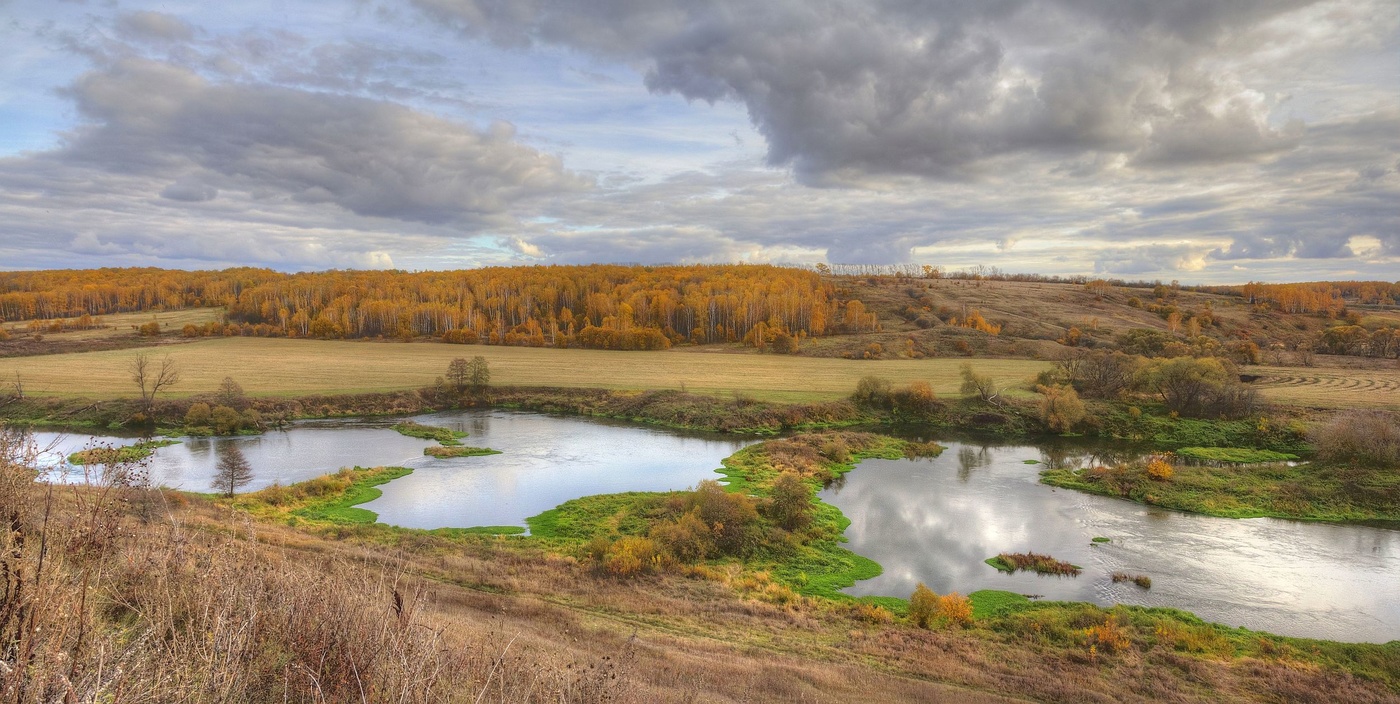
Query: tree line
(597, 306)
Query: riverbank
(529, 615)
(804, 581)
(1011, 417)
(1313, 491)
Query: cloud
(1140, 260)
(851, 89)
(369, 157)
(148, 26)
(189, 190)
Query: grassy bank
(452, 451)
(802, 579)
(119, 455)
(1311, 491)
(444, 436)
(809, 562)
(327, 499)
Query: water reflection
(936, 519)
(276, 457)
(546, 461)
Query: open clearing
(1330, 388)
(281, 367)
(126, 323)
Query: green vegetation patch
(1011, 562)
(478, 530)
(326, 499)
(1101, 539)
(992, 602)
(444, 452)
(605, 514)
(444, 436)
(119, 455)
(1235, 455)
(1314, 491)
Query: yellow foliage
(1107, 636)
(954, 609)
(923, 606)
(1159, 468)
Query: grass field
(124, 323)
(280, 367)
(1330, 388)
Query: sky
(1198, 140)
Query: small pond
(936, 520)
(545, 461)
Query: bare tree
(151, 378)
(230, 393)
(233, 470)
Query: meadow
(290, 368)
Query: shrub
(1107, 636)
(1060, 407)
(687, 538)
(225, 420)
(791, 502)
(198, 415)
(954, 610)
(150, 329)
(631, 556)
(836, 450)
(1100, 374)
(917, 398)
(1361, 437)
(1159, 468)
(923, 606)
(872, 391)
(872, 613)
(1198, 388)
(251, 419)
(979, 385)
(732, 517)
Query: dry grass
(1330, 387)
(124, 323)
(280, 367)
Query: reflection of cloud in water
(546, 461)
(935, 520)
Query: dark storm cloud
(847, 89)
(369, 157)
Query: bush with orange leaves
(631, 555)
(1108, 636)
(954, 610)
(1159, 467)
(930, 610)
